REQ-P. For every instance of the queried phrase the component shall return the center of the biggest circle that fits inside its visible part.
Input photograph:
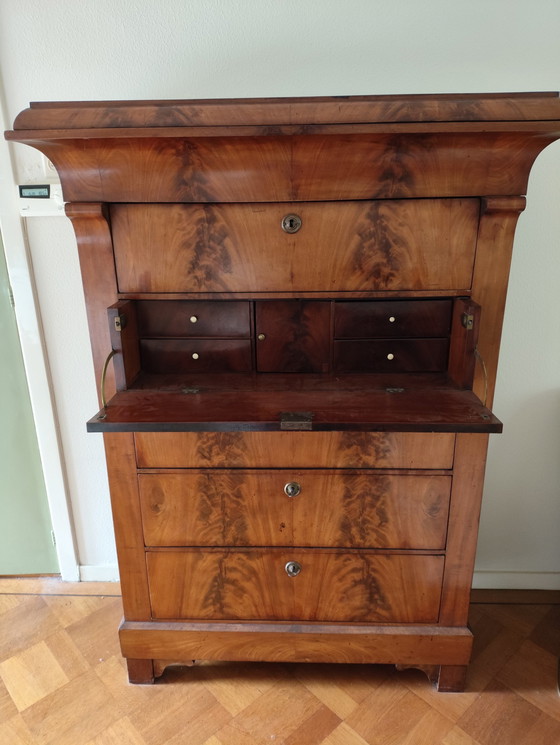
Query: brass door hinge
(467, 319)
(120, 322)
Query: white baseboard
(488, 580)
(482, 580)
(101, 573)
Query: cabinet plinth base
(442, 652)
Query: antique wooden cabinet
(302, 300)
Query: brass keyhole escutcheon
(293, 568)
(291, 223)
(292, 489)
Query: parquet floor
(63, 682)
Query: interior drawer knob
(392, 319)
(293, 568)
(193, 319)
(291, 223)
(195, 355)
(292, 489)
(390, 356)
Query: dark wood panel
(123, 331)
(251, 508)
(392, 318)
(295, 450)
(332, 586)
(194, 318)
(398, 355)
(410, 409)
(278, 111)
(196, 355)
(293, 336)
(350, 246)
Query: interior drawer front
(295, 449)
(391, 355)
(186, 318)
(409, 244)
(195, 355)
(392, 318)
(253, 584)
(256, 508)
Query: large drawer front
(332, 586)
(295, 450)
(254, 508)
(410, 244)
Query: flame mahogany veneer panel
(332, 586)
(347, 246)
(333, 508)
(294, 450)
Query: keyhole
(291, 223)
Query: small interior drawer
(392, 318)
(195, 355)
(185, 318)
(391, 355)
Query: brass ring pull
(111, 354)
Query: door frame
(21, 280)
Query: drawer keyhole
(291, 223)
(292, 489)
(293, 568)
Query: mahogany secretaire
(295, 308)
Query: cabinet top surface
(505, 108)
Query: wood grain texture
(463, 342)
(124, 341)
(250, 508)
(490, 278)
(294, 450)
(196, 355)
(95, 248)
(384, 355)
(392, 319)
(127, 521)
(407, 409)
(293, 336)
(352, 246)
(253, 584)
(194, 319)
(278, 111)
(297, 642)
(464, 515)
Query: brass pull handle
(292, 489)
(293, 568)
(110, 356)
(291, 223)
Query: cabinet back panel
(346, 246)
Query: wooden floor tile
(63, 682)
(499, 717)
(31, 675)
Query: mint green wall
(25, 527)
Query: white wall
(125, 49)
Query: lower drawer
(363, 509)
(333, 586)
(295, 449)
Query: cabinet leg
(451, 678)
(140, 671)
